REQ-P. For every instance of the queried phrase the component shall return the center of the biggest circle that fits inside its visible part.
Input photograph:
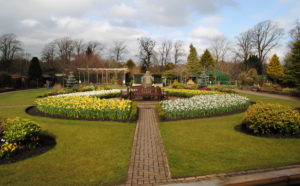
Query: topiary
(175, 84)
(161, 112)
(134, 111)
(272, 119)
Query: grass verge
(87, 152)
(211, 145)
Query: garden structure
(103, 75)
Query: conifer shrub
(272, 119)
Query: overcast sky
(37, 22)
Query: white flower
(204, 104)
(90, 93)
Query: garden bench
(152, 92)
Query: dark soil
(298, 109)
(35, 112)
(243, 129)
(46, 143)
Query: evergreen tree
(207, 61)
(293, 71)
(275, 69)
(130, 64)
(35, 71)
(253, 62)
(193, 64)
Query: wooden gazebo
(104, 73)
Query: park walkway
(148, 164)
(276, 96)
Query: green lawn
(87, 152)
(211, 145)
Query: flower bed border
(165, 118)
(47, 142)
(33, 111)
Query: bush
(5, 79)
(178, 85)
(89, 88)
(270, 119)
(20, 130)
(185, 93)
(194, 86)
(106, 87)
(134, 111)
(161, 112)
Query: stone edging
(231, 174)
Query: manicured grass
(87, 152)
(256, 98)
(211, 145)
(26, 97)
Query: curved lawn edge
(241, 128)
(47, 142)
(33, 111)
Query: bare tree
(79, 47)
(146, 51)
(219, 48)
(178, 51)
(65, 48)
(48, 52)
(95, 48)
(164, 52)
(9, 46)
(244, 45)
(265, 37)
(118, 50)
(295, 32)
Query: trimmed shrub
(20, 130)
(185, 93)
(89, 88)
(272, 119)
(161, 112)
(178, 85)
(134, 111)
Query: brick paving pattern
(148, 164)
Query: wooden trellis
(104, 72)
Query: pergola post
(106, 76)
(102, 77)
(83, 76)
(88, 76)
(97, 77)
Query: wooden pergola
(103, 72)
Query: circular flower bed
(22, 138)
(203, 105)
(88, 107)
(272, 119)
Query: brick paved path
(148, 164)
